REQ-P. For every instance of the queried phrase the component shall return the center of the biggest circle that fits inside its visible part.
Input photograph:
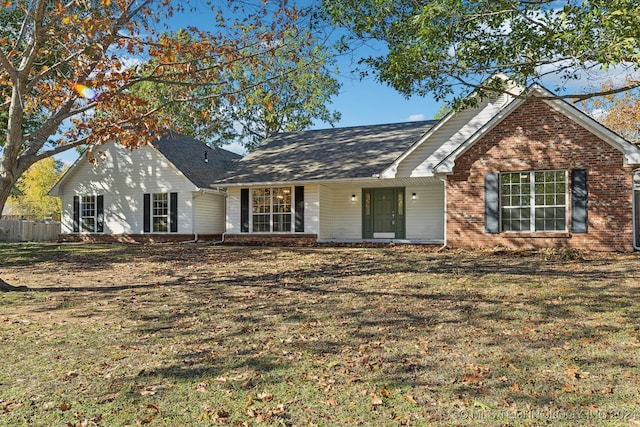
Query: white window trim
(271, 214)
(532, 202)
(93, 217)
(154, 216)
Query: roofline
(295, 182)
(55, 190)
(391, 170)
(630, 151)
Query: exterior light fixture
(414, 196)
(353, 198)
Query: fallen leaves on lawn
(8, 405)
(152, 410)
(575, 373)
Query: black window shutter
(491, 203)
(579, 201)
(244, 210)
(173, 212)
(146, 209)
(299, 195)
(76, 214)
(100, 214)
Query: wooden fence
(28, 231)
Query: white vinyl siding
(425, 214)
(447, 137)
(330, 213)
(341, 219)
(209, 215)
(124, 176)
(233, 210)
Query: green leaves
(435, 45)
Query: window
(88, 213)
(271, 209)
(160, 212)
(533, 201)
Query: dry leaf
(409, 398)
(376, 400)
(331, 402)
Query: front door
(383, 213)
(384, 217)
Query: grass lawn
(114, 335)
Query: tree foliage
(434, 45)
(619, 112)
(67, 71)
(32, 198)
(285, 87)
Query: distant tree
(443, 111)
(620, 112)
(32, 199)
(429, 47)
(288, 84)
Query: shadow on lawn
(345, 308)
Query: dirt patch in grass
(201, 335)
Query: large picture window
(160, 212)
(533, 201)
(271, 209)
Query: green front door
(383, 213)
(384, 209)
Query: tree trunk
(5, 189)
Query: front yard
(206, 335)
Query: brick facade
(537, 137)
(135, 238)
(265, 239)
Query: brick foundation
(537, 137)
(256, 239)
(135, 238)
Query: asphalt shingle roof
(188, 155)
(328, 154)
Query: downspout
(220, 241)
(444, 188)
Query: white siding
(233, 210)
(122, 176)
(325, 197)
(425, 215)
(208, 213)
(345, 216)
(312, 209)
(454, 132)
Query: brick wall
(258, 239)
(135, 238)
(536, 137)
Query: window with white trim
(160, 212)
(88, 213)
(533, 201)
(271, 209)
